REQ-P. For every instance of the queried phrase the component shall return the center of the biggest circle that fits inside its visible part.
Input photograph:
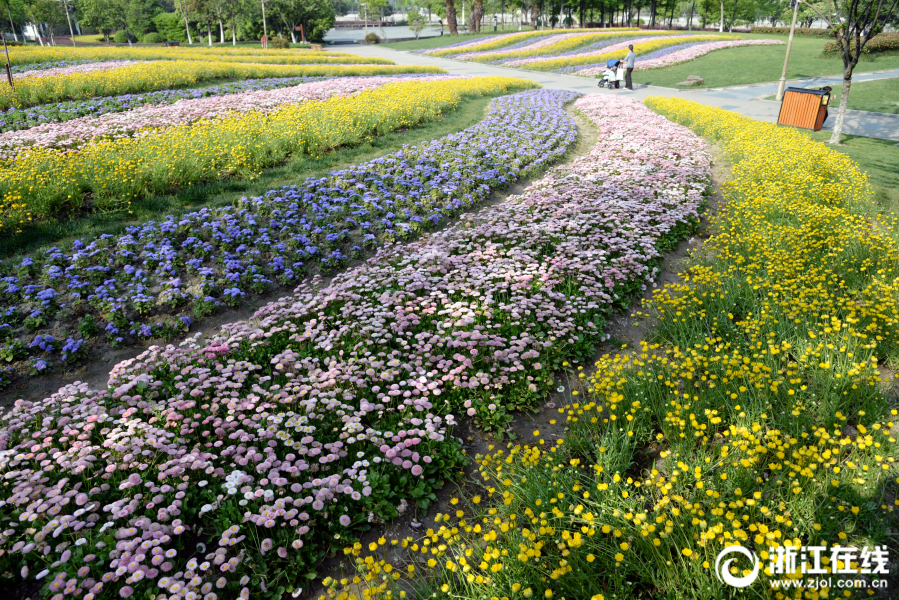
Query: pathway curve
(738, 99)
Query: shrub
(798, 31)
(882, 42)
(122, 38)
(372, 38)
(170, 27)
(279, 43)
(152, 38)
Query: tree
(46, 12)
(854, 23)
(417, 20)
(179, 6)
(451, 17)
(13, 7)
(170, 26)
(316, 16)
(475, 16)
(98, 14)
(772, 10)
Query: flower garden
(758, 415)
(758, 410)
(583, 53)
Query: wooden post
(783, 75)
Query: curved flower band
(328, 407)
(160, 277)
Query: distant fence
(360, 24)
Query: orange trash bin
(804, 108)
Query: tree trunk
(533, 15)
(187, 27)
(733, 17)
(221, 31)
(128, 37)
(11, 26)
(721, 27)
(209, 31)
(65, 4)
(474, 19)
(451, 17)
(233, 30)
(690, 19)
(844, 100)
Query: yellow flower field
(25, 55)
(45, 184)
(31, 91)
(758, 417)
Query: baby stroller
(609, 78)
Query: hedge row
(882, 42)
(798, 31)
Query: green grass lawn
(876, 157)
(446, 40)
(877, 96)
(758, 64)
(225, 193)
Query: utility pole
(783, 75)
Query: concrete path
(738, 99)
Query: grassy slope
(226, 193)
(739, 66)
(877, 96)
(879, 159)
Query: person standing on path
(629, 62)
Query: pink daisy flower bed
(228, 468)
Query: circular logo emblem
(722, 569)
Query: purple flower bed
(15, 119)
(229, 468)
(159, 277)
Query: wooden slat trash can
(804, 108)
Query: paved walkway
(738, 99)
